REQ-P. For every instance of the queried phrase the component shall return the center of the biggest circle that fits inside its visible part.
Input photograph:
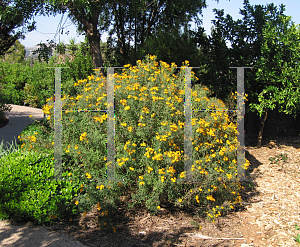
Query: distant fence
(277, 124)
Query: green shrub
(33, 85)
(23, 83)
(149, 112)
(28, 193)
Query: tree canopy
(13, 15)
(128, 22)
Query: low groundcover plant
(28, 191)
(149, 131)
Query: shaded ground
(3, 121)
(176, 228)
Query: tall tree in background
(216, 61)
(131, 21)
(172, 45)
(16, 14)
(246, 39)
(90, 17)
(138, 23)
(278, 70)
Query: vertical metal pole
(240, 123)
(110, 126)
(188, 148)
(188, 156)
(57, 124)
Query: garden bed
(267, 218)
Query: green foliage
(44, 51)
(297, 239)
(30, 193)
(16, 14)
(171, 46)
(80, 67)
(246, 39)
(23, 83)
(15, 54)
(278, 158)
(149, 143)
(278, 69)
(33, 85)
(215, 59)
(13, 79)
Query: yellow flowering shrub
(149, 140)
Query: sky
(47, 26)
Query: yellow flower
(131, 168)
(70, 174)
(100, 187)
(158, 207)
(210, 197)
(150, 169)
(161, 171)
(180, 200)
(76, 202)
(142, 183)
(88, 175)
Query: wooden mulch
(270, 211)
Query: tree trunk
(90, 26)
(94, 40)
(262, 119)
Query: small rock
(271, 144)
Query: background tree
(217, 62)
(90, 17)
(131, 21)
(16, 14)
(278, 70)
(15, 54)
(246, 40)
(138, 24)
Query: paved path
(16, 235)
(18, 120)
